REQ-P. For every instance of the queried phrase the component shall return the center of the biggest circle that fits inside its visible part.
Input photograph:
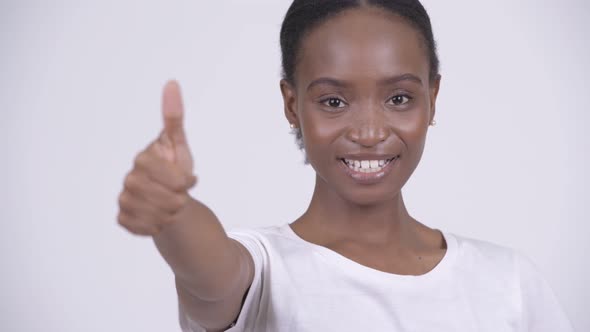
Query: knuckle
(130, 181)
(136, 227)
(124, 199)
(142, 160)
(124, 220)
(135, 183)
(138, 230)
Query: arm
(213, 272)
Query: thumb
(173, 112)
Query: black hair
(304, 15)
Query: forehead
(362, 43)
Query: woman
(359, 86)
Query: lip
(368, 156)
(368, 178)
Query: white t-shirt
(477, 286)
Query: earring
(433, 122)
(292, 126)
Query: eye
(400, 100)
(333, 102)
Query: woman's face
(364, 101)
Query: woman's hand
(156, 189)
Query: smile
(369, 171)
(367, 166)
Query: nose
(369, 127)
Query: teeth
(367, 166)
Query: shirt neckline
(347, 264)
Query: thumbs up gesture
(173, 144)
(156, 190)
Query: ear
(434, 88)
(290, 102)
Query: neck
(336, 218)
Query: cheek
(319, 129)
(411, 126)
(412, 133)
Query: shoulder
(259, 234)
(483, 247)
(506, 270)
(267, 239)
(483, 254)
(485, 262)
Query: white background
(80, 87)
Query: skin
(369, 224)
(377, 99)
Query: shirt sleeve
(251, 304)
(541, 310)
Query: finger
(130, 223)
(132, 204)
(163, 171)
(164, 147)
(138, 211)
(155, 194)
(173, 112)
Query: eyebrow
(385, 81)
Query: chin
(367, 196)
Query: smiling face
(363, 100)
